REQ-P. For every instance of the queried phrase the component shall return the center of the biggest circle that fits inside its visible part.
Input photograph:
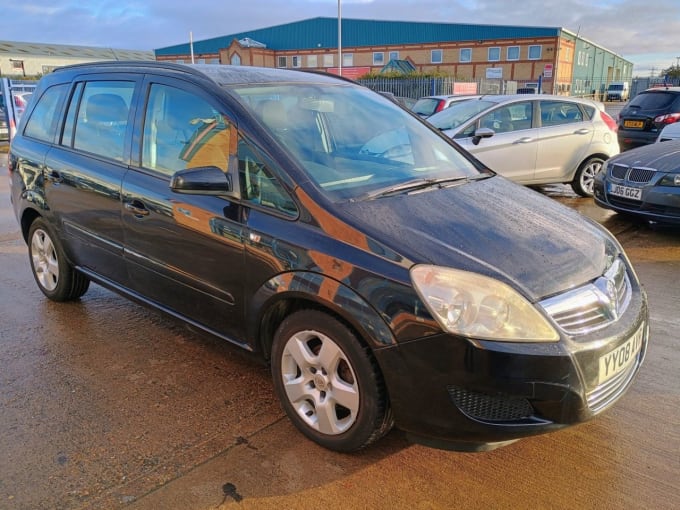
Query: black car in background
(386, 275)
(641, 120)
(643, 182)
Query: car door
(511, 151)
(184, 252)
(564, 138)
(84, 171)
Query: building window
(297, 61)
(328, 60)
(200, 61)
(348, 59)
(437, 56)
(311, 61)
(494, 54)
(180, 61)
(535, 52)
(282, 62)
(236, 59)
(378, 58)
(466, 54)
(214, 60)
(513, 52)
(394, 55)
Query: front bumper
(462, 394)
(659, 203)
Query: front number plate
(625, 192)
(617, 360)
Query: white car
(534, 139)
(669, 132)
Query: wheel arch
(28, 216)
(289, 292)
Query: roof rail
(153, 64)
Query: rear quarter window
(44, 120)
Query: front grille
(618, 171)
(592, 306)
(641, 175)
(632, 174)
(490, 408)
(612, 389)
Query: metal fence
(418, 87)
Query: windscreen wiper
(414, 185)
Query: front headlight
(477, 306)
(670, 180)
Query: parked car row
(547, 139)
(385, 274)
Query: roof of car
(220, 74)
(663, 89)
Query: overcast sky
(646, 33)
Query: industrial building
(565, 62)
(25, 59)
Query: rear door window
(98, 118)
(555, 113)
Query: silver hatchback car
(534, 139)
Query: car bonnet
(662, 157)
(492, 227)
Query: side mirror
(482, 133)
(206, 180)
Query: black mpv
(386, 275)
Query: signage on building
(465, 88)
(494, 73)
(548, 71)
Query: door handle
(137, 209)
(53, 176)
(525, 139)
(582, 131)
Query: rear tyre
(585, 176)
(55, 277)
(329, 383)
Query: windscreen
(459, 113)
(352, 141)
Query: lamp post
(340, 37)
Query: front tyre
(328, 382)
(55, 277)
(585, 176)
